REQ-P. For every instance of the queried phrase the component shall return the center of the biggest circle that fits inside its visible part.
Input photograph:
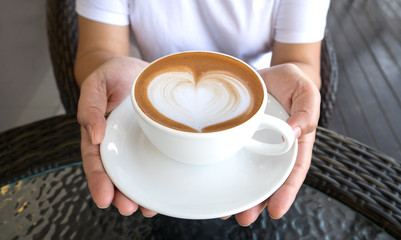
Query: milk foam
(215, 98)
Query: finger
(124, 205)
(92, 108)
(249, 216)
(147, 213)
(283, 198)
(99, 184)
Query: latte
(198, 92)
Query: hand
(301, 99)
(101, 92)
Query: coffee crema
(198, 92)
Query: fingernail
(148, 215)
(101, 207)
(297, 132)
(225, 218)
(274, 217)
(244, 225)
(125, 215)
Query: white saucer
(171, 188)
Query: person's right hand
(101, 92)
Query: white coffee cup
(201, 148)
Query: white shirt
(242, 28)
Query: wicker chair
(349, 171)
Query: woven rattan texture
(62, 31)
(355, 174)
(62, 36)
(329, 75)
(39, 146)
(359, 176)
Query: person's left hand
(301, 99)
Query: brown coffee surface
(199, 64)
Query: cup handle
(279, 126)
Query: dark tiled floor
(367, 39)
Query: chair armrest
(329, 76)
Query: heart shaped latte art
(214, 98)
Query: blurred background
(28, 90)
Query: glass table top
(57, 204)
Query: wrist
(312, 72)
(87, 63)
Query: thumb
(304, 113)
(92, 109)
(302, 123)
